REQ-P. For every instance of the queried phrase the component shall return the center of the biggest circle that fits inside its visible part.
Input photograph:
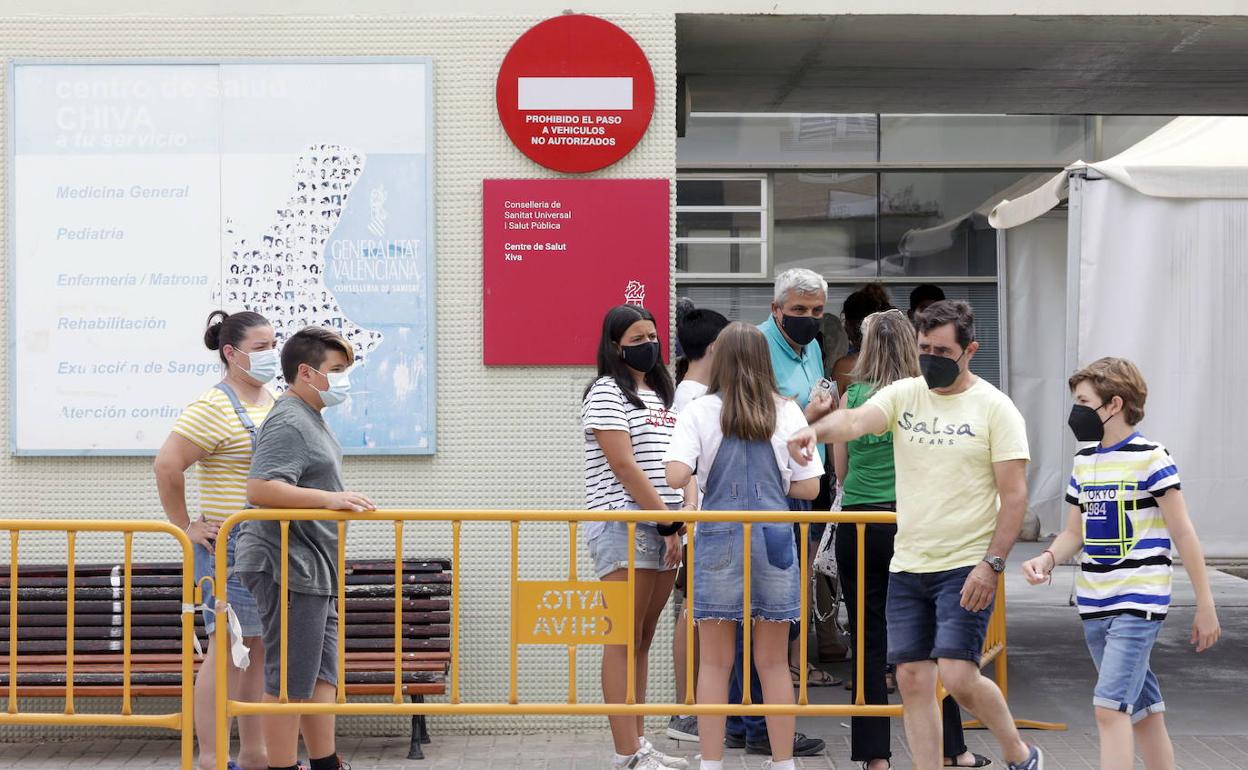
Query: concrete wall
(507, 437)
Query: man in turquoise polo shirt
(796, 315)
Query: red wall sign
(575, 93)
(559, 253)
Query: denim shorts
(1120, 647)
(719, 569)
(609, 549)
(926, 620)
(240, 598)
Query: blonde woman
(735, 438)
(889, 352)
(217, 431)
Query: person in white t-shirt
(627, 419)
(696, 330)
(734, 440)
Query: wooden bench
(156, 605)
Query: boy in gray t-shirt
(297, 463)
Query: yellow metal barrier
(179, 720)
(567, 613)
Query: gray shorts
(312, 647)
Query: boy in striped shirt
(1125, 511)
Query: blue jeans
(753, 728)
(926, 620)
(1120, 647)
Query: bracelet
(1051, 556)
(670, 529)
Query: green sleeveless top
(871, 477)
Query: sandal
(866, 765)
(980, 761)
(815, 677)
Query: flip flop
(815, 677)
(980, 761)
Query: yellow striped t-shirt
(211, 424)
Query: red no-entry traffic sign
(575, 93)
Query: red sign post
(559, 253)
(575, 93)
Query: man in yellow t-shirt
(960, 450)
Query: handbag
(825, 554)
(825, 564)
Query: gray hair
(800, 280)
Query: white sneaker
(642, 760)
(675, 763)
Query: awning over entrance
(1190, 157)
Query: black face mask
(643, 357)
(938, 371)
(801, 329)
(1086, 424)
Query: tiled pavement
(1065, 751)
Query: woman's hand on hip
(203, 532)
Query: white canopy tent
(1156, 268)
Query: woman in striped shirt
(217, 432)
(627, 418)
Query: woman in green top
(889, 352)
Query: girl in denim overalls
(734, 439)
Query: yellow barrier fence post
(13, 538)
(126, 602)
(341, 694)
(514, 690)
(747, 617)
(398, 611)
(284, 594)
(70, 537)
(803, 633)
(690, 623)
(860, 628)
(572, 579)
(221, 631)
(630, 692)
(456, 526)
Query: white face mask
(339, 388)
(264, 365)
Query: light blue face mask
(264, 365)
(339, 388)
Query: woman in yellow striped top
(217, 432)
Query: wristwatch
(996, 562)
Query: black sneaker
(683, 729)
(802, 746)
(734, 741)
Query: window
(935, 223)
(979, 140)
(824, 222)
(902, 199)
(721, 226)
(745, 139)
